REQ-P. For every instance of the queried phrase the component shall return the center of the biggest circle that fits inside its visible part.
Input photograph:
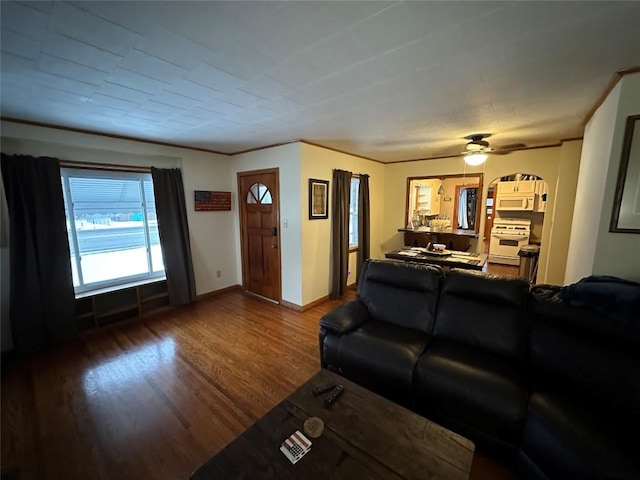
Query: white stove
(508, 236)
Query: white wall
(287, 159)
(319, 163)
(543, 162)
(213, 245)
(618, 254)
(211, 233)
(594, 163)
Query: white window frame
(70, 220)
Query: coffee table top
(365, 437)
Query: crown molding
(313, 144)
(109, 135)
(440, 157)
(610, 86)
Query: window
(259, 193)
(353, 213)
(112, 227)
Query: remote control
(324, 388)
(333, 396)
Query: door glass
(259, 193)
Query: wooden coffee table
(365, 437)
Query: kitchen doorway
(514, 215)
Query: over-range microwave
(516, 202)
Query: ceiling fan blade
(505, 149)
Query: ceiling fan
(475, 152)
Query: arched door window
(259, 193)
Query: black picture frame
(318, 199)
(624, 219)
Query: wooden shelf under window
(106, 306)
(117, 311)
(154, 297)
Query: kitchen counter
(435, 230)
(450, 259)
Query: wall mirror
(444, 202)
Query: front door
(259, 228)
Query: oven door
(506, 244)
(504, 247)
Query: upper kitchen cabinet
(522, 187)
(541, 195)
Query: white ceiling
(387, 80)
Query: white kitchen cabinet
(541, 196)
(524, 187)
(427, 198)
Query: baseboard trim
(215, 293)
(310, 305)
(315, 303)
(291, 306)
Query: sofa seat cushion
(567, 438)
(485, 392)
(382, 357)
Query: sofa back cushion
(401, 293)
(581, 351)
(483, 311)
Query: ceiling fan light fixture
(475, 159)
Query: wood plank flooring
(499, 269)
(155, 398)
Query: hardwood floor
(155, 398)
(499, 269)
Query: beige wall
(543, 162)
(449, 185)
(317, 162)
(211, 244)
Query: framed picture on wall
(318, 199)
(625, 217)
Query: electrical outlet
(285, 224)
(218, 273)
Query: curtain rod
(103, 166)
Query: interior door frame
(444, 177)
(454, 219)
(241, 217)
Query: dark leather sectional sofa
(553, 388)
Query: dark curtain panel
(174, 234)
(364, 227)
(42, 300)
(340, 232)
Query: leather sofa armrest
(345, 318)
